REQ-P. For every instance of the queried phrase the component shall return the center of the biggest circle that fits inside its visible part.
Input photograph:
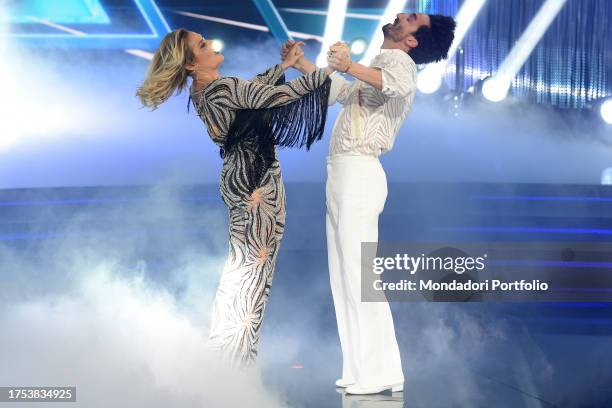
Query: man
(375, 106)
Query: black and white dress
(247, 120)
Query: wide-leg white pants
(356, 192)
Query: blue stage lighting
(67, 37)
(59, 12)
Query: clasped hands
(338, 55)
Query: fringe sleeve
(272, 76)
(296, 124)
(299, 123)
(237, 94)
(302, 122)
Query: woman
(247, 119)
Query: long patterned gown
(248, 119)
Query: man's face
(405, 24)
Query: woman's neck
(202, 79)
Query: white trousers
(356, 192)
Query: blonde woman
(246, 119)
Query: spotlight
(218, 45)
(429, 81)
(606, 113)
(495, 89)
(358, 46)
(600, 110)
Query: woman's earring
(194, 73)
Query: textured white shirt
(370, 118)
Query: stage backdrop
(69, 115)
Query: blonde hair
(167, 73)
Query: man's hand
(341, 46)
(339, 57)
(291, 53)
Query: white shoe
(356, 389)
(342, 383)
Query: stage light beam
(430, 78)
(334, 25)
(501, 82)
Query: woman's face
(202, 49)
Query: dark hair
(434, 41)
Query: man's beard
(386, 29)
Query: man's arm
(372, 76)
(339, 85)
(342, 60)
(339, 58)
(396, 77)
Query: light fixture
(495, 89)
(358, 46)
(605, 110)
(429, 81)
(217, 45)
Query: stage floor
(488, 354)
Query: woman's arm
(271, 76)
(236, 93)
(339, 86)
(305, 66)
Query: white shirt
(371, 118)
